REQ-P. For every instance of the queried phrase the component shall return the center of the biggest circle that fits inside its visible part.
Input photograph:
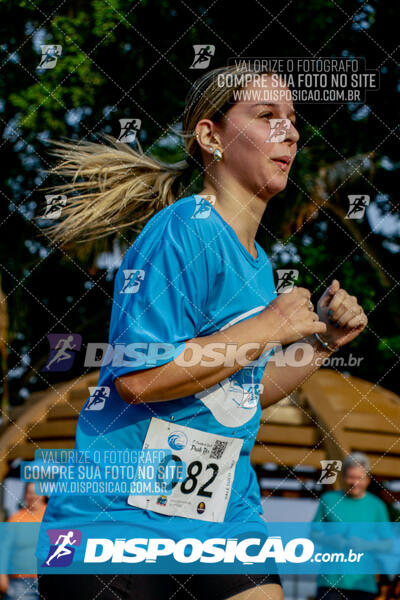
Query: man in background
(351, 504)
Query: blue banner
(289, 548)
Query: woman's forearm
(280, 378)
(286, 319)
(232, 349)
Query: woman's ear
(203, 133)
(207, 134)
(216, 139)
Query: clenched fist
(344, 317)
(291, 317)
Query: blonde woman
(193, 286)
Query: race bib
(210, 469)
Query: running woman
(194, 281)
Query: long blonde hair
(111, 187)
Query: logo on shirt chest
(245, 395)
(234, 401)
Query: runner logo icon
(61, 551)
(98, 397)
(329, 471)
(62, 351)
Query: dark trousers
(326, 593)
(148, 587)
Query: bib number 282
(191, 481)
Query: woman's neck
(241, 210)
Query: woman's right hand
(289, 317)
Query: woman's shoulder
(184, 224)
(175, 229)
(192, 216)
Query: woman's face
(259, 165)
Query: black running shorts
(148, 587)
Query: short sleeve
(159, 298)
(382, 512)
(384, 530)
(320, 513)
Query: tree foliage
(131, 59)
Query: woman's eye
(268, 115)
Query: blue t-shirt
(186, 275)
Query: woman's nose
(292, 135)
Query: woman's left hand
(344, 317)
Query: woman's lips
(283, 162)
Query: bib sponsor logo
(201, 507)
(177, 440)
